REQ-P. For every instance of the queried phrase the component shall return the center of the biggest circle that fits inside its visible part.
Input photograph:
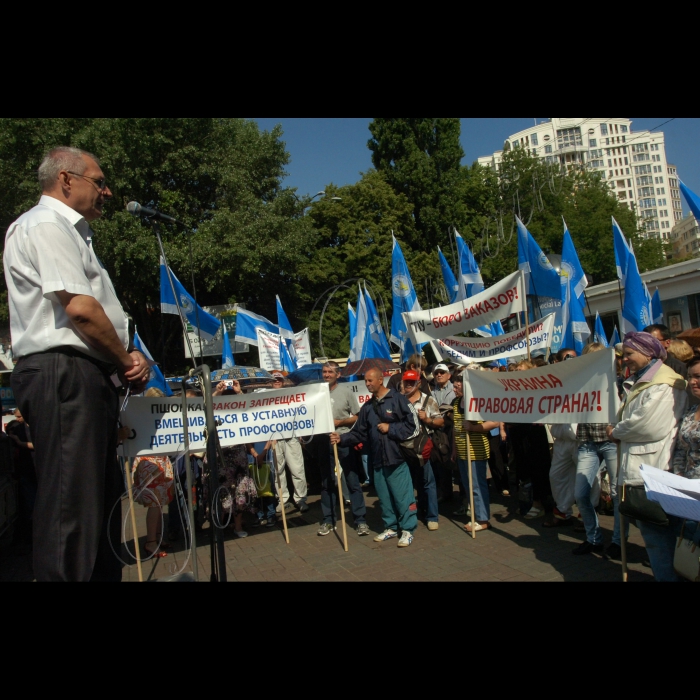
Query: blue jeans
(589, 456)
(661, 546)
(349, 463)
(424, 483)
(482, 506)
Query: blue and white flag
(622, 252)
(362, 345)
(469, 280)
(636, 310)
(208, 324)
(657, 312)
(692, 199)
(448, 276)
(599, 335)
(227, 360)
(541, 279)
(379, 343)
(404, 300)
(352, 321)
(247, 324)
(287, 364)
(283, 321)
(573, 284)
(615, 338)
(156, 379)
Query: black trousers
(499, 471)
(72, 408)
(532, 459)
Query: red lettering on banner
(487, 306)
(473, 403)
(557, 403)
(482, 402)
(576, 403)
(530, 403)
(503, 299)
(555, 381)
(566, 405)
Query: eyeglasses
(101, 183)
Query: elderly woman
(646, 428)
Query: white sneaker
(386, 535)
(406, 539)
(242, 534)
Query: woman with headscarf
(647, 424)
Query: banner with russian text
(466, 350)
(581, 390)
(495, 303)
(157, 423)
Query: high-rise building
(632, 163)
(685, 238)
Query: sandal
(534, 513)
(477, 527)
(155, 553)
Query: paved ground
(514, 550)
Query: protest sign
(243, 418)
(466, 350)
(581, 390)
(302, 347)
(497, 302)
(269, 349)
(360, 393)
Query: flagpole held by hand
(279, 493)
(339, 475)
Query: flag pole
(341, 501)
(279, 493)
(130, 487)
(527, 316)
(471, 486)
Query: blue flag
(541, 279)
(622, 252)
(226, 353)
(404, 300)
(208, 324)
(469, 280)
(379, 343)
(636, 310)
(615, 338)
(573, 284)
(156, 380)
(352, 320)
(450, 282)
(247, 322)
(599, 335)
(692, 199)
(362, 346)
(657, 312)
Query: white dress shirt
(49, 249)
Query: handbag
(635, 505)
(261, 479)
(686, 559)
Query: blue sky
(335, 150)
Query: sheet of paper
(660, 487)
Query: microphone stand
(216, 544)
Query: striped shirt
(478, 442)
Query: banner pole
(341, 502)
(279, 493)
(129, 484)
(471, 486)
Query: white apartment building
(685, 238)
(632, 163)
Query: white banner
(360, 393)
(581, 390)
(244, 418)
(466, 350)
(493, 304)
(269, 350)
(302, 346)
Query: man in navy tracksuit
(383, 423)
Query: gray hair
(62, 158)
(333, 365)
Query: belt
(106, 367)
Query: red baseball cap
(411, 376)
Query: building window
(604, 129)
(593, 143)
(548, 148)
(623, 128)
(534, 141)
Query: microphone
(137, 210)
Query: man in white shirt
(71, 338)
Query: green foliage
(221, 177)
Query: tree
(421, 159)
(220, 176)
(352, 227)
